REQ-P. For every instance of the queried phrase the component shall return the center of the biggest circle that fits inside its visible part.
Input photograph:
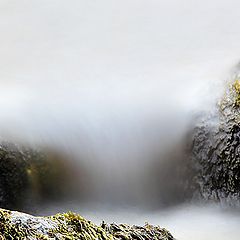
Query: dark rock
(28, 176)
(215, 151)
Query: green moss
(236, 86)
(73, 226)
(14, 225)
(8, 230)
(69, 226)
(147, 232)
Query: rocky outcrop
(215, 151)
(17, 225)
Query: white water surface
(108, 79)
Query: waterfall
(117, 85)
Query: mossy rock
(127, 232)
(215, 150)
(17, 225)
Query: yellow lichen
(71, 226)
(236, 86)
(8, 230)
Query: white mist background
(90, 68)
(107, 79)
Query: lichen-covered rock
(215, 150)
(16, 225)
(127, 232)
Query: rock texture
(29, 175)
(215, 157)
(17, 225)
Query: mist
(115, 84)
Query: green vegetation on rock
(73, 226)
(236, 86)
(127, 232)
(16, 225)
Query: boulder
(17, 225)
(215, 150)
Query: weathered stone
(17, 225)
(215, 151)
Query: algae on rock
(17, 225)
(127, 232)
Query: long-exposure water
(116, 83)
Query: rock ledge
(17, 225)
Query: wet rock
(13, 177)
(29, 176)
(17, 225)
(215, 150)
(124, 231)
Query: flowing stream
(116, 83)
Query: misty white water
(107, 80)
